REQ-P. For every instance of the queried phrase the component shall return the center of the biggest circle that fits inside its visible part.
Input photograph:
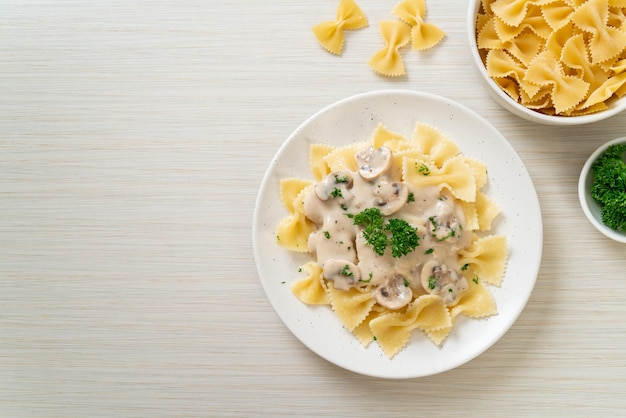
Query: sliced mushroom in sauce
(373, 162)
(439, 279)
(334, 185)
(390, 196)
(343, 273)
(395, 293)
(446, 225)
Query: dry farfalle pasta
(424, 35)
(558, 57)
(330, 34)
(411, 28)
(388, 61)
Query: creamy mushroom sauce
(349, 261)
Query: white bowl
(589, 206)
(614, 106)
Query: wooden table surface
(133, 139)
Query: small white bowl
(614, 106)
(589, 206)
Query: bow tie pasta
(398, 233)
(558, 57)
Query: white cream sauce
(349, 261)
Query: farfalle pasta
(330, 33)
(398, 230)
(411, 28)
(388, 61)
(558, 57)
(424, 35)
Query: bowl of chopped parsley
(602, 189)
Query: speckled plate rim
(353, 120)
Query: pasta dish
(399, 235)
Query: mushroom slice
(390, 197)
(395, 293)
(334, 184)
(373, 162)
(438, 279)
(343, 273)
(445, 224)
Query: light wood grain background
(133, 139)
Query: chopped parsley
(451, 234)
(398, 233)
(429, 251)
(372, 222)
(345, 271)
(423, 168)
(465, 266)
(436, 226)
(432, 282)
(475, 280)
(407, 283)
(368, 280)
(336, 193)
(404, 238)
(609, 187)
(410, 198)
(327, 234)
(433, 223)
(344, 179)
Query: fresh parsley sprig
(398, 233)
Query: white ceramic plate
(352, 120)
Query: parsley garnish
(372, 222)
(368, 280)
(451, 234)
(404, 238)
(423, 168)
(336, 193)
(433, 223)
(398, 233)
(345, 271)
(475, 280)
(465, 266)
(344, 179)
(327, 234)
(432, 282)
(429, 251)
(410, 198)
(407, 283)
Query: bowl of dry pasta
(553, 63)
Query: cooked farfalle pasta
(558, 57)
(295, 228)
(398, 231)
(388, 61)
(424, 35)
(330, 33)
